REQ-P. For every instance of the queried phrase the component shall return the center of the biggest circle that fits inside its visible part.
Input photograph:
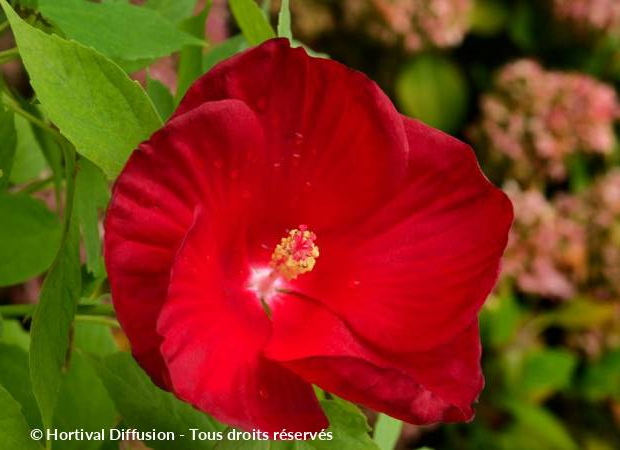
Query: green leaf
(29, 238)
(284, 21)
(387, 431)
(602, 379)
(14, 431)
(118, 30)
(223, 51)
(251, 21)
(91, 196)
(15, 379)
(578, 177)
(52, 320)
(522, 26)
(499, 319)
(132, 66)
(433, 89)
(536, 429)
(14, 334)
(173, 10)
(51, 324)
(29, 159)
(144, 406)
(160, 96)
(93, 103)
(295, 43)
(488, 17)
(27, 4)
(190, 59)
(83, 401)
(94, 339)
(546, 371)
(8, 145)
(349, 427)
(580, 314)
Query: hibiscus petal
(214, 333)
(190, 161)
(336, 145)
(416, 272)
(420, 387)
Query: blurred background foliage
(531, 84)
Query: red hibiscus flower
(287, 227)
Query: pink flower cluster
(532, 119)
(416, 24)
(547, 251)
(599, 16)
(567, 245)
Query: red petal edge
(183, 165)
(438, 385)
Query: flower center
(296, 254)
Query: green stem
(100, 320)
(102, 309)
(27, 309)
(36, 186)
(97, 291)
(4, 26)
(8, 55)
(9, 100)
(17, 109)
(69, 155)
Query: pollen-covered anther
(295, 254)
